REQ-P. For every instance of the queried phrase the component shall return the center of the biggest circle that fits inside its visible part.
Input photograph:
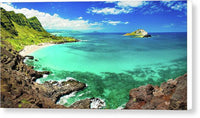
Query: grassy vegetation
(23, 102)
(18, 31)
(132, 33)
(28, 36)
(19, 43)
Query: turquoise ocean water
(111, 64)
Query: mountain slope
(15, 25)
(7, 27)
(35, 24)
(20, 31)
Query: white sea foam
(80, 94)
(69, 78)
(66, 79)
(26, 58)
(38, 81)
(97, 103)
(121, 107)
(45, 75)
(64, 98)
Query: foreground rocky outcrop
(89, 103)
(140, 33)
(171, 95)
(19, 89)
(55, 90)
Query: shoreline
(29, 94)
(32, 48)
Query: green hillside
(19, 31)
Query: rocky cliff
(19, 89)
(171, 95)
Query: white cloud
(120, 7)
(114, 22)
(126, 7)
(110, 1)
(80, 18)
(179, 7)
(130, 3)
(108, 10)
(153, 9)
(49, 21)
(126, 22)
(175, 5)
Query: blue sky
(121, 16)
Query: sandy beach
(32, 48)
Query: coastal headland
(18, 86)
(21, 36)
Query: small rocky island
(140, 33)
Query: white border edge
(189, 55)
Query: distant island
(140, 33)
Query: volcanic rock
(171, 95)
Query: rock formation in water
(140, 33)
(171, 95)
